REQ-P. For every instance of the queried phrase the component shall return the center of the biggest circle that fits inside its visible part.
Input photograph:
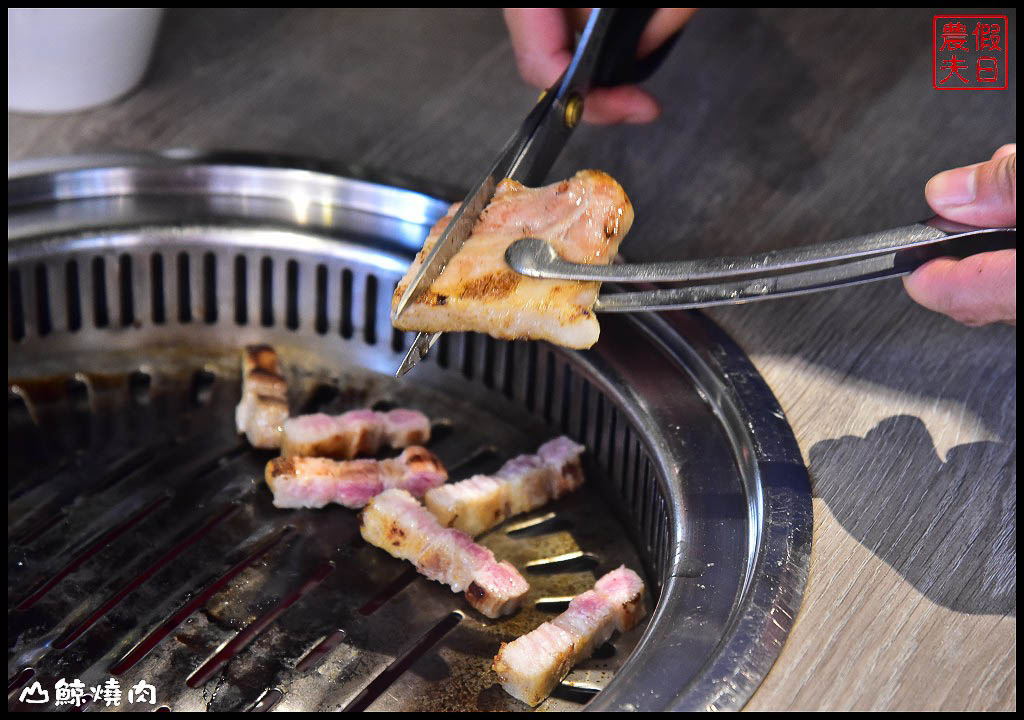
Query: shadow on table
(954, 536)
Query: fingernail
(953, 187)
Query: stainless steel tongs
(765, 276)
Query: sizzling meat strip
(394, 521)
(314, 482)
(264, 405)
(531, 666)
(584, 218)
(355, 433)
(524, 483)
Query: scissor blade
(417, 351)
(460, 228)
(449, 243)
(510, 164)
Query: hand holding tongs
(774, 274)
(605, 55)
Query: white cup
(67, 59)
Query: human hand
(980, 289)
(542, 39)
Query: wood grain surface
(779, 128)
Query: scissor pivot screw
(573, 111)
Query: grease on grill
(567, 562)
(541, 525)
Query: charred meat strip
(524, 483)
(394, 521)
(531, 666)
(263, 409)
(584, 218)
(355, 433)
(314, 482)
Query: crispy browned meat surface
(263, 408)
(584, 218)
(355, 433)
(522, 484)
(531, 666)
(316, 481)
(394, 521)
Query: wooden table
(780, 128)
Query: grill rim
(778, 496)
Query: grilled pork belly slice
(527, 482)
(497, 588)
(562, 456)
(584, 218)
(343, 437)
(355, 433)
(531, 666)
(524, 483)
(314, 482)
(624, 589)
(472, 505)
(263, 408)
(403, 427)
(394, 521)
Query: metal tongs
(605, 55)
(766, 276)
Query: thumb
(984, 194)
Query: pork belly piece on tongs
(355, 433)
(531, 666)
(314, 482)
(263, 409)
(523, 484)
(584, 218)
(394, 521)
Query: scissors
(605, 56)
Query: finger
(1008, 149)
(541, 40)
(664, 23)
(578, 17)
(977, 290)
(622, 104)
(984, 194)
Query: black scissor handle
(617, 63)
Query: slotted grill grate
(142, 541)
(175, 564)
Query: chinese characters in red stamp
(970, 52)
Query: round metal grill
(142, 544)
